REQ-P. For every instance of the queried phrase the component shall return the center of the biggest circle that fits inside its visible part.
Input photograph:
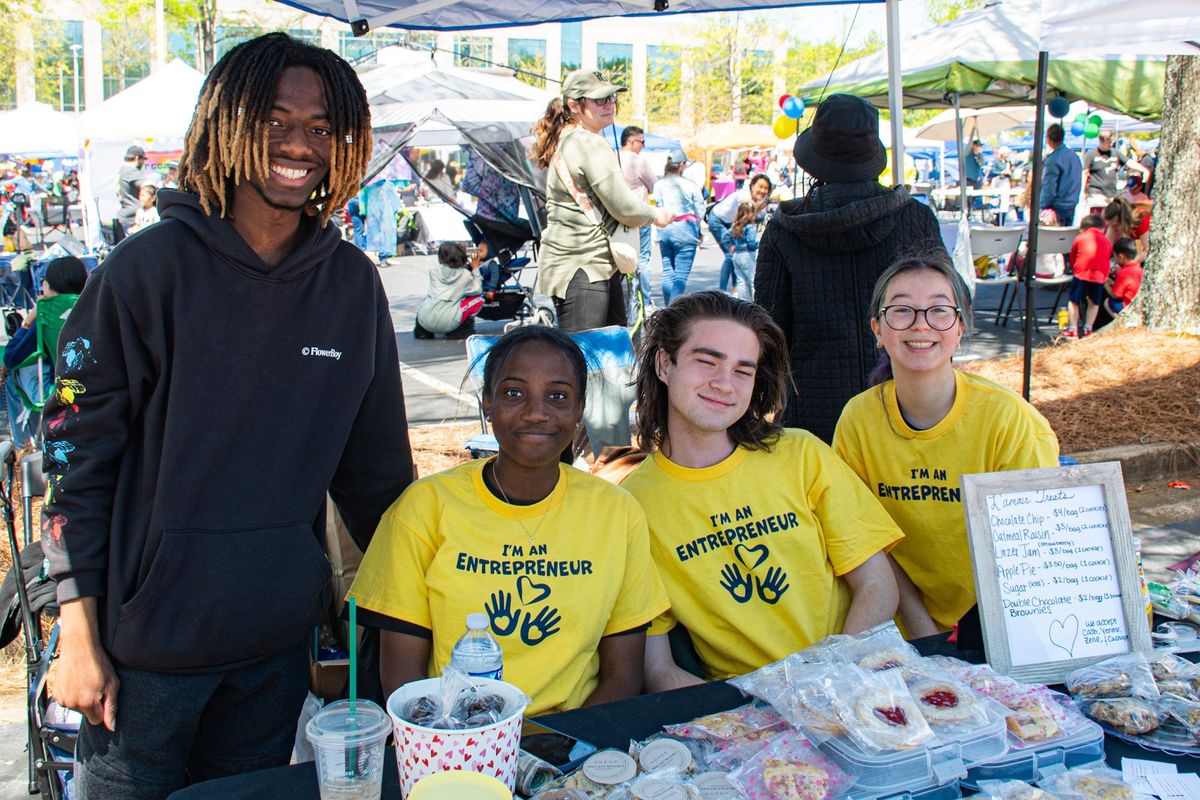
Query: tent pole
(1035, 193)
(962, 157)
(895, 92)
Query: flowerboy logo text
(336, 355)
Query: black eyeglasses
(604, 101)
(901, 318)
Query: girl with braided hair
(229, 366)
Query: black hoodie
(205, 403)
(818, 262)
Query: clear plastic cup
(349, 749)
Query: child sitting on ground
(1126, 278)
(454, 296)
(744, 236)
(1090, 255)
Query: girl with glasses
(584, 185)
(921, 426)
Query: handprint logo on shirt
(742, 587)
(534, 629)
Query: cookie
(1115, 685)
(1031, 721)
(785, 780)
(890, 720)
(884, 659)
(1098, 787)
(943, 703)
(1125, 715)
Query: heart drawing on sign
(531, 592)
(1064, 632)
(744, 554)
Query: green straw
(353, 655)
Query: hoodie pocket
(214, 598)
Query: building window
(528, 56)
(572, 46)
(54, 64)
(361, 50)
(616, 62)
(126, 57)
(662, 82)
(472, 51)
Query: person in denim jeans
(678, 241)
(743, 235)
(721, 217)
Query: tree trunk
(1170, 297)
(207, 30)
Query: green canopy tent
(990, 58)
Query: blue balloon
(793, 107)
(1059, 107)
(1076, 128)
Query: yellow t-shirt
(915, 474)
(448, 547)
(751, 549)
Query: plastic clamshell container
(944, 759)
(951, 790)
(1080, 745)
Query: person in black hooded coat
(821, 254)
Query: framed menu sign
(1055, 570)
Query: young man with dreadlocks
(763, 537)
(222, 371)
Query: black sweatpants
(176, 729)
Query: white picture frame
(1027, 546)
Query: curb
(1148, 462)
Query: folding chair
(52, 314)
(1051, 240)
(51, 730)
(991, 241)
(612, 366)
(54, 214)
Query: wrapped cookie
(942, 698)
(790, 768)
(878, 711)
(1035, 714)
(727, 725)
(1183, 710)
(879, 648)
(1013, 790)
(605, 774)
(663, 754)
(1088, 783)
(801, 692)
(735, 752)
(1127, 675)
(1131, 716)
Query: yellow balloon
(785, 127)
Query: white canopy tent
(1162, 27)
(38, 128)
(154, 113)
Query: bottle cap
(477, 622)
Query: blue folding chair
(612, 368)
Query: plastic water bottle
(1062, 319)
(476, 652)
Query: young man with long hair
(222, 371)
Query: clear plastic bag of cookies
(1183, 710)
(878, 711)
(1127, 675)
(735, 752)
(801, 692)
(790, 767)
(1013, 790)
(727, 725)
(769, 682)
(879, 648)
(1035, 714)
(1175, 675)
(1088, 783)
(1132, 716)
(944, 700)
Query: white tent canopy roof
(157, 107)
(38, 128)
(452, 15)
(975, 122)
(1160, 27)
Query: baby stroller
(51, 729)
(511, 248)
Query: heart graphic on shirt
(531, 592)
(1063, 634)
(744, 554)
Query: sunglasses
(604, 101)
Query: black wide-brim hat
(842, 144)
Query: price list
(1057, 574)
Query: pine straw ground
(1113, 388)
